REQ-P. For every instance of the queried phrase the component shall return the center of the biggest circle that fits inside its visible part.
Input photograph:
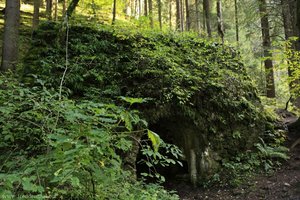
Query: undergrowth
(67, 149)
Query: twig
(66, 66)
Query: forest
(150, 100)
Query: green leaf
(131, 100)
(155, 139)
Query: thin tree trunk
(298, 24)
(55, 9)
(114, 12)
(64, 2)
(36, 14)
(182, 15)
(198, 25)
(187, 13)
(10, 48)
(49, 5)
(206, 9)
(71, 8)
(270, 86)
(178, 15)
(170, 14)
(136, 7)
(151, 14)
(220, 20)
(237, 37)
(159, 13)
(145, 7)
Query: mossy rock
(199, 88)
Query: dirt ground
(284, 184)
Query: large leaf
(155, 139)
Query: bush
(66, 149)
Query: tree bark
(187, 13)
(182, 15)
(140, 8)
(114, 12)
(55, 9)
(206, 9)
(159, 5)
(36, 14)
(151, 13)
(170, 14)
(237, 37)
(10, 48)
(265, 28)
(178, 15)
(49, 5)
(220, 20)
(64, 2)
(71, 8)
(298, 24)
(198, 25)
(146, 8)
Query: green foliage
(240, 168)
(179, 74)
(154, 157)
(66, 149)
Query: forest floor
(284, 184)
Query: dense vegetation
(95, 111)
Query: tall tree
(114, 11)
(170, 14)
(220, 20)
(73, 4)
(55, 9)
(159, 5)
(146, 7)
(266, 43)
(11, 35)
(206, 9)
(298, 23)
(187, 14)
(64, 3)
(198, 26)
(178, 15)
(36, 14)
(49, 5)
(151, 13)
(182, 14)
(237, 37)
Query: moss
(201, 88)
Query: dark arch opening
(165, 128)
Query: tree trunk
(182, 15)
(220, 20)
(11, 35)
(114, 12)
(170, 14)
(237, 37)
(298, 24)
(146, 8)
(270, 86)
(206, 9)
(151, 13)
(159, 13)
(187, 12)
(36, 14)
(198, 25)
(55, 9)
(64, 2)
(178, 15)
(72, 7)
(49, 4)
